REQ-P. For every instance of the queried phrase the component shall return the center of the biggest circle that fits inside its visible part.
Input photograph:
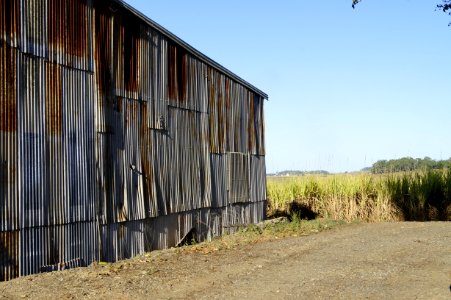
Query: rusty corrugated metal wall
(116, 137)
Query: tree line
(407, 164)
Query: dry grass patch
(263, 232)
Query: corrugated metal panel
(257, 178)
(215, 226)
(9, 22)
(158, 109)
(31, 117)
(256, 124)
(110, 147)
(190, 161)
(43, 246)
(238, 177)
(259, 121)
(145, 63)
(9, 255)
(122, 240)
(157, 172)
(33, 24)
(161, 232)
(237, 120)
(79, 34)
(178, 76)
(78, 133)
(133, 175)
(160, 81)
(70, 33)
(187, 83)
(108, 35)
(9, 181)
(56, 142)
(118, 53)
(197, 85)
(219, 180)
(218, 91)
(257, 212)
(131, 35)
(235, 117)
(135, 131)
(127, 239)
(239, 215)
(103, 54)
(235, 216)
(158, 115)
(57, 30)
(55, 155)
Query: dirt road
(374, 261)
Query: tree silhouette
(445, 7)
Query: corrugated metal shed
(116, 137)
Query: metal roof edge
(191, 49)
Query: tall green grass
(402, 196)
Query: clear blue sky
(346, 87)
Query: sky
(346, 87)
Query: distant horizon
(352, 171)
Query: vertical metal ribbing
(9, 255)
(219, 180)
(115, 139)
(9, 206)
(257, 178)
(34, 27)
(78, 144)
(32, 143)
(10, 23)
(134, 174)
(238, 164)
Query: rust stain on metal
(8, 89)
(102, 50)
(53, 99)
(177, 74)
(172, 73)
(227, 93)
(261, 128)
(77, 29)
(182, 75)
(131, 31)
(226, 112)
(68, 31)
(56, 24)
(251, 124)
(211, 109)
(9, 255)
(9, 20)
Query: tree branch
(355, 2)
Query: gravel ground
(371, 261)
